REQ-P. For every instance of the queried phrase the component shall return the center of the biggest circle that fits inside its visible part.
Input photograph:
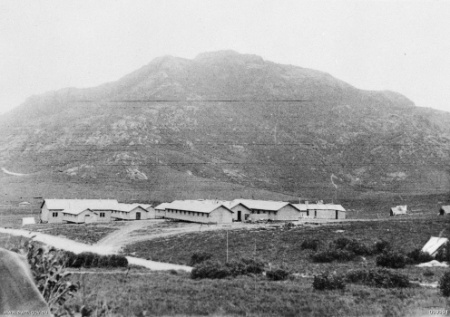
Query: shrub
(391, 259)
(358, 248)
(428, 273)
(331, 255)
(444, 284)
(254, 266)
(417, 256)
(378, 277)
(443, 254)
(210, 269)
(277, 274)
(380, 247)
(325, 282)
(311, 244)
(341, 243)
(199, 257)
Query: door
(337, 214)
(239, 216)
(138, 216)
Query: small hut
(445, 210)
(399, 210)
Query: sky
(402, 46)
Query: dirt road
(77, 247)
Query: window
(55, 214)
(102, 215)
(257, 212)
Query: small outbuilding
(82, 215)
(321, 211)
(444, 210)
(270, 210)
(130, 212)
(434, 245)
(399, 210)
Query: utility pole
(227, 246)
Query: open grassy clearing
(279, 247)
(166, 294)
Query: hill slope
(223, 125)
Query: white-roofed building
(240, 211)
(199, 211)
(52, 210)
(81, 215)
(399, 210)
(132, 212)
(268, 209)
(321, 211)
(160, 210)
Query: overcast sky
(397, 45)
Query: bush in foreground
(331, 255)
(310, 244)
(91, 260)
(277, 274)
(416, 256)
(199, 257)
(444, 284)
(380, 247)
(378, 277)
(391, 259)
(326, 282)
(217, 270)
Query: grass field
(166, 294)
(278, 246)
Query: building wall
(326, 214)
(57, 219)
(288, 212)
(132, 214)
(44, 213)
(221, 215)
(245, 212)
(151, 213)
(160, 213)
(107, 217)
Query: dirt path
(77, 247)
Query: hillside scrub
(444, 284)
(391, 259)
(326, 282)
(217, 270)
(278, 274)
(199, 257)
(310, 244)
(416, 256)
(92, 260)
(379, 277)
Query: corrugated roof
(75, 211)
(129, 207)
(95, 204)
(262, 204)
(196, 205)
(304, 207)
(433, 245)
(398, 210)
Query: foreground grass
(165, 294)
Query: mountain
(223, 125)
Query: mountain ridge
(227, 118)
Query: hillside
(223, 125)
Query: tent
(445, 210)
(399, 210)
(28, 221)
(434, 245)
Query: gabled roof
(162, 206)
(446, 209)
(263, 204)
(399, 209)
(95, 204)
(304, 207)
(130, 207)
(196, 206)
(434, 244)
(75, 211)
(232, 204)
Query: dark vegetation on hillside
(225, 125)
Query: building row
(92, 210)
(215, 211)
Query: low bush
(341, 243)
(210, 269)
(380, 247)
(91, 260)
(358, 248)
(443, 254)
(310, 244)
(326, 282)
(199, 257)
(391, 259)
(331, 255)
(217, 270)
(444, 284)
(277, 274)
(379, 277)
(417, 256)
